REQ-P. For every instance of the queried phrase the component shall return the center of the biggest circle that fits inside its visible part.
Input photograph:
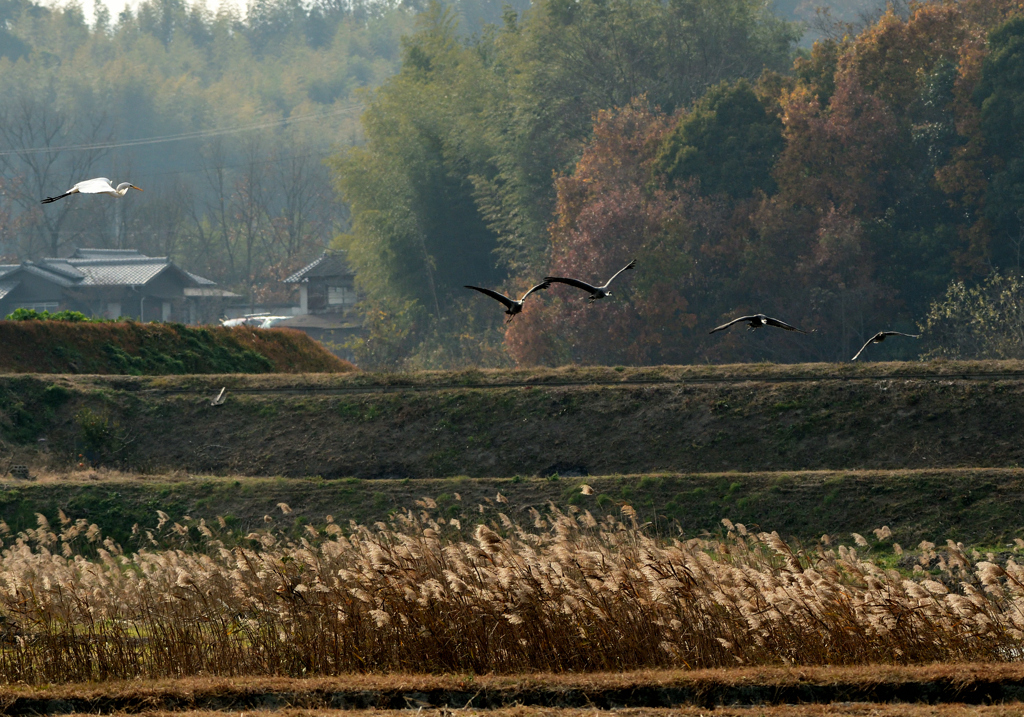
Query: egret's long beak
(134, 187)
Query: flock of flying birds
(754, 321)
(102, 185)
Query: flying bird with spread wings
(596, 292)
(880, 337)
(512, 307)
(100, 185)
(757, 321)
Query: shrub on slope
(154, 349)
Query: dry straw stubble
(422, 594)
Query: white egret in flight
(100, 185)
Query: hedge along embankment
(158, 349)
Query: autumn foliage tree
(609, 213)
(843, 197)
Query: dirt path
(662, 690)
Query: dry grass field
(565, 592)
(513, 594)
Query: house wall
(97, 301)
(320, 294)
(31, 290)
(166, 285)
(162, 299)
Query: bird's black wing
(540, 287)
(572, 282)
(494, 295)
(781, 324)
(50, 200)
(734, 321)
(866, 344)
(627, 266)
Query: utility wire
(198, 134)
(236, 165)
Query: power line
(197, 134)
(235, 165)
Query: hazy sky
(115, 6)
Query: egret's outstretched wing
(900, 333)
(94, 186)
(572, 282)
(734, 321)
(89, 186)
(781, 324)
(627, 266)
(866, 344)
(494, 295)
(540, 287)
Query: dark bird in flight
(880, 337)
(596, 292)
(756, 321)
(512, 307)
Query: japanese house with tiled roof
(111, 283)
(327, 302)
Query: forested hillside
(846, 188)
(223, 119)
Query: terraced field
(530, 423)
(746, 466)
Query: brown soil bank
(934, 684)
(594, 421)
(157, 349)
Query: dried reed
(570, 593)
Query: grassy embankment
(63, 347)
(983, 507)
(686, 446)
(493, 424)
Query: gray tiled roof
(8, 268)
(6, 287)
(61, 266)
(330, 263)
(55, 277)
(200, 280)
(120, 272)
(105, 267)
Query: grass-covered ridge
(974, 506)
(598, 421)
(155, 349)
